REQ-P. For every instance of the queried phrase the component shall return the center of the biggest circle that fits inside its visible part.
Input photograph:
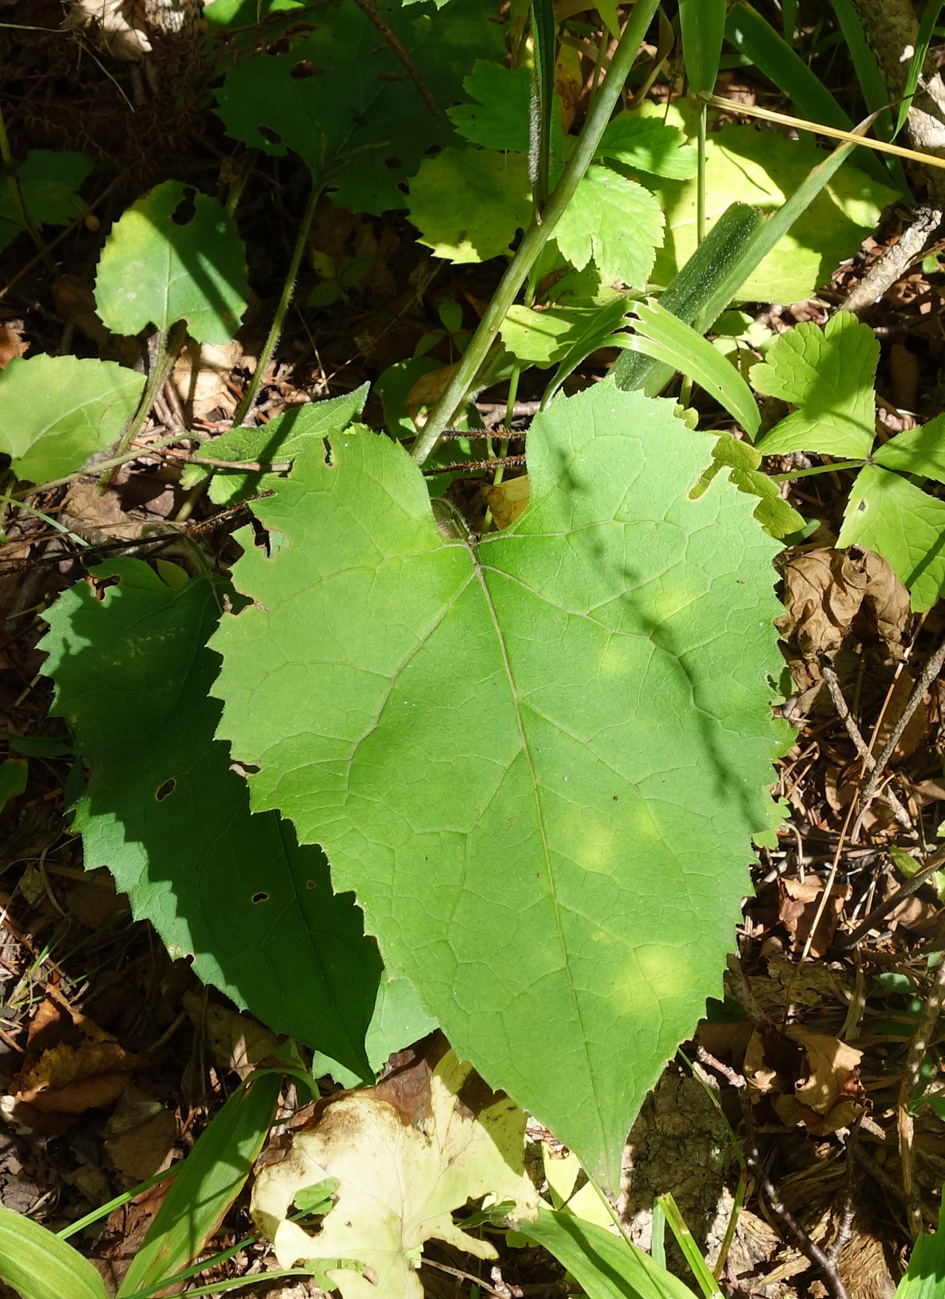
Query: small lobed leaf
(500, 118)
(905, 525)
(469, 203)
(828, 374)
(341, 100)
(613, 221)
(538, 761)
(49, 181)
(56, 411)
(173, 255)
(916, 451)
(648, 145)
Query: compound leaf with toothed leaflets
(615, 223)
(828, 374)
(537, 761)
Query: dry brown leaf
(825, 591)
(236, 1041)
(428, 390)
(100, 516)
(66, 1072)
(810, 1078)
(140, 1135)
(772, 1063)
(811, 983)
(917, 727)
(11, 345)
(201, 377)
(798, 904)
(71, 1064)
(830, 1086)
(508, 500)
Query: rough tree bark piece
(892, 31)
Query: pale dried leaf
(403, 1164)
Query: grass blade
(864, 64)
(661, 335)
(925, 1275)
(702, 25)
(39, 1265)
(691, 1251)
(209, 1180)
(757, 40)
(604, 1265)
(926, 27)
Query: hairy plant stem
(182, 435)
(163, 357)
(537, 234)
(278, 319)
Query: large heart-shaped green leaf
(166, 813)
(537, 761)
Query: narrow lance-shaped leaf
(207, 1183)
(702, 24)
(663, 336)
(537, 761)
(38, 1265)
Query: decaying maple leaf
(809, 1077)
(404, 1155)
(825, 590)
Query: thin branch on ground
(928, 674)
(906, 890)
(849, 1188)
(862, 748)
(896, 260)
(807, 1246)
